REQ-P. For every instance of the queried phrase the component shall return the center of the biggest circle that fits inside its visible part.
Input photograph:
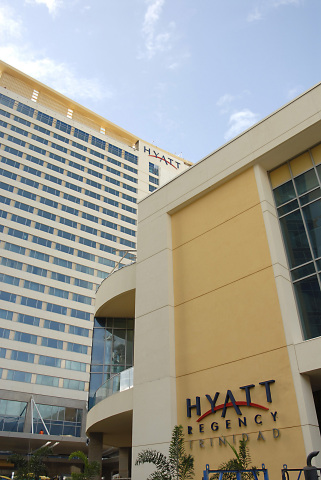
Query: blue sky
(185, 75)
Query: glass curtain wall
(298, 202)
(112, 351)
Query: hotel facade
(225, 304)
(70, 183)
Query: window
(71, 210)
(14, 248)
(64, 248)
(153, 180)
(71, 198)
(39, 256)
(59, 327)
(36, 287)
(58, 147)
(22, 356)
(51, 307)
(131, 157)
(51, 166)
(37, 149)
(73, 384)
(7, 262)
(72, 186)
(80, 314)
(47, 380)
(52, 191)
(81, 135)
(76, 297)
(47, 201)
(44, 228)
(52, 343)
(83, 283)
(8, 297)
(42, 241)
(28, 319)
(17, 376)
(77, 347)
(4, 333)
(76, 165)
(37, 270)
(61, 138)
(93, 206)
(60, 277)
(85, 241)
(62, 262)
(67, 235)
(90, 217)
(42, 117)
(25, 337)
(13, 151)
(64, 127)
(84, 269)
(57, 157)
(6, 314)
(82, 332)
(43, 213)
(35, 160)
(39, 139)
(114, 150)
(9, 279)
(42, 129)
(78, 366)
(88, 229)
(57, 292)
(77, 155)
(49, 361)
(86, 255)
(151, 188)
(98, 142)
(22, 108)
(22, 220)
(31, 302)
(154, 169)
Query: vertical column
(154, 394)
(124, 463)
(95, 448)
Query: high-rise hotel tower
(70, 182)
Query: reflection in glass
(309, 302)
(295, 239)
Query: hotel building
(225, 304)
(70, 183)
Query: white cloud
(52, 5)
(240, 121)
(294, 92)
(10, 24)
(254, 16)
(57, 75)
(155, 42)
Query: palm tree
(178, 465)
(91, 469)
(241, 461)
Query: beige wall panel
(215, 208)
(239, 320)
(288, 448)
(225, 254)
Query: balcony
(118, 383)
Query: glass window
(37, 149)
(47, 201)
(28, 319)
(52, 343)
(35, 160)
(84, 269)
(305, 182)
(61, 138)
(44, 228)
(86, 241)
(37, 287)
(6, 314)
(62, 263)
(81, 135)
(25, 337)
(98, 142)
(3, 352)
(80, 314)
(8, 297)
(22, 108)
(60, 277)
(71, 210)
(64, 234)
(55, 168)
(52, 325)
(11, 263)
(4, 332)
(78, 366)
(71, 198)
(49, 361)
(44, 214)
(64, 248)
(41, 241)
(73, 384)
(114, 150)
(8, 161)
(59, 158)
(86, 255)
(47, 380)
(153, 180)
(81, 298)
(9, 279)
(82, 332)
(295, 239)
(76, 165)
(42, 117)
(22, 356)
(58, 292)
(17, 376)
(39, 256)
(64, 127)
(31, 302)
(51, 307)
(83, 283)
(15, 248)
(77, 347)
(77, 155)
(22, 220)
(131, 157)
(312, 216)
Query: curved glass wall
(112, 351)
(298, 201)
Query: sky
(185, 75)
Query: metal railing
(117, 383)
(239, 473)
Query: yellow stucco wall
(228, 329)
